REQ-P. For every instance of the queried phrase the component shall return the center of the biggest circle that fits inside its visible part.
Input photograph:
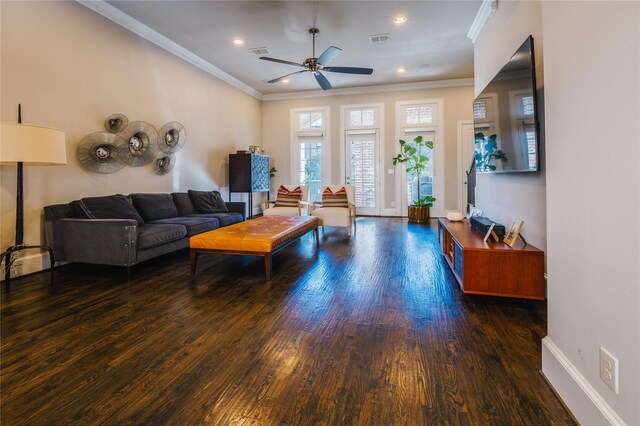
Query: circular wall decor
(172, 137)
(116, 123)
(164, 162)
(103, 152)
(142, 141)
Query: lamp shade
(31, 144)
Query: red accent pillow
(288, 198)
(335, 199)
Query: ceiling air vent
(378, 38)
(260, 51)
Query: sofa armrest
(237, 207)
(102, 241)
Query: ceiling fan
(317, 64)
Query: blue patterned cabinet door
(259, 172)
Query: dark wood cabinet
(491, 268)
(248, 173)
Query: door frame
(461, 167)
(380, 199)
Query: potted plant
(415, 155)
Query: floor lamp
(28, 144)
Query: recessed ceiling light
(400, 19)
(238, 41)
(286, 80)
(401, 70)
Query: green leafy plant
(417, 162)
(272, 172)
(487, 152)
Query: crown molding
(487, 10)
(438, 84)
(114, 14)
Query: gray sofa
(125, 230)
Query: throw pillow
(335, 199)
(154, 206)
(287, 198)
(208, 201)
(110, 207)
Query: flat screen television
(505, 118)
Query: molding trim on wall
(438, 84)
(487, 10)
(586, 404)
(110, 12)
(29, 264)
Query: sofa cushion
(207, 201)
(110, 207)
(154, 206)
(183, 203)
(225, 219)
(194, 224)
(153, 235)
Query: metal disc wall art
(142, 139)
(172, 137)
(164, 162)
(116, 123)
(103, 152)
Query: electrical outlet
(609, 369)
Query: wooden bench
(257, 237)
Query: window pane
(367, 117)
(412, 115)
(304, 121)
(425, 114)
(311, 168)
(479, 109)
(355, 119)
(527, 105)
(363, 176)
(316, 120)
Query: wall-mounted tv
(505, 118)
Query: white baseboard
(28, 264)
(586, 404)
(390, 212)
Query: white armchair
(344, 217)
(271, 208)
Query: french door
(362, 170)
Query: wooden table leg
(267, 266)
(193, 259)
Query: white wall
(592, 85)
(71, 68)
(457, 105)
(510, 196)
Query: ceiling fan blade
(281, 61)
(322, 81)
(328, 55)
(275, 80)
(349, 70)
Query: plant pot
(418, 214)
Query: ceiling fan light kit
(317, 64)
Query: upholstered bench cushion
(261, 235)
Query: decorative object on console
(164, 163)
(482, 224)
(172, 137)
(253, 148)
(491, 233)
(512, 233)
(30, 144)
(116, 123)
(103, 152)
(142, 139)
(416, 155)
(455, 215)
(475, 212)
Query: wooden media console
(491, 268)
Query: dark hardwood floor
(370, 330)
